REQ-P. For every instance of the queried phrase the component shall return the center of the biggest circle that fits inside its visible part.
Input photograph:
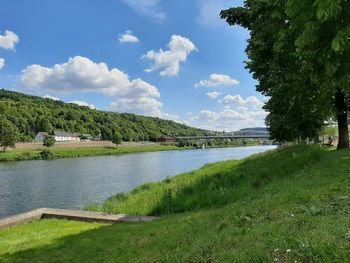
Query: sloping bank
(288, 205)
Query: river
(76, 182)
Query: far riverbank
(58, 153)
(77, 152)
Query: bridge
(226, 136)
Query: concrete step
(78, 215)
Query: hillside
(32, 114)
(256, 129)
(287, 205)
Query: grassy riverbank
(288, 205)
(58, 153)
(21, 155)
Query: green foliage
(8, 134)
(299, 51)
(206, 187)
(117, 138)
(21, 155)
(46, 154)
(298, 213)
(49, 141)
(32, 114)
(329, 131)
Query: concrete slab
(78, 215)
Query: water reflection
(74, 183)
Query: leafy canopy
(8, 134)
(299, 52)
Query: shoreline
(58, 153)
(229, 210)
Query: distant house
(62, 136)
(85, 137)
(98, 137)
(166, 139)
(40, 136)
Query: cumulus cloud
(150, 8)
(214, 95)
(47, 96)
(169, 61)
(238, 100)
(216, 80)
(2, 63)
(80, 74)
(83, 103)
(228, 119)
(8, 40)
(128, 37)
(175, 118)
(142, 105)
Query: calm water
(74, 183)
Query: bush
(46, 154)
(49, 141)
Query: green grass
(21, 155)
(288, 205)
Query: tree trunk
(342, 117)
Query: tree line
(27, 115)
(299, 51)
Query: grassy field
(288, 205)
(21, 155)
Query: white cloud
(2, 63)
(47, 96)
(217, 80)
(83, 103)
(238, 100)
(254, 101)
(175, 118)
(128, 37)
(214, 95)
(169, 61)
(237, 113)
(228, 119)
(80, 74)
(144, 105)
(8, 40)
(149, 8)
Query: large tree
(298, 51)
(8, 134)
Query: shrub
(46, 154)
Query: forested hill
(256, 129)
(31, 114)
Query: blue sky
(172, 59)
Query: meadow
(286, 205)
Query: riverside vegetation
(56, 153)
(286, 205)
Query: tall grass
(214, 185)
(288, 205)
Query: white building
(61, 136)
(40, 136)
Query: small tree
(117, 138)
(8, 134)
(49, 141)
